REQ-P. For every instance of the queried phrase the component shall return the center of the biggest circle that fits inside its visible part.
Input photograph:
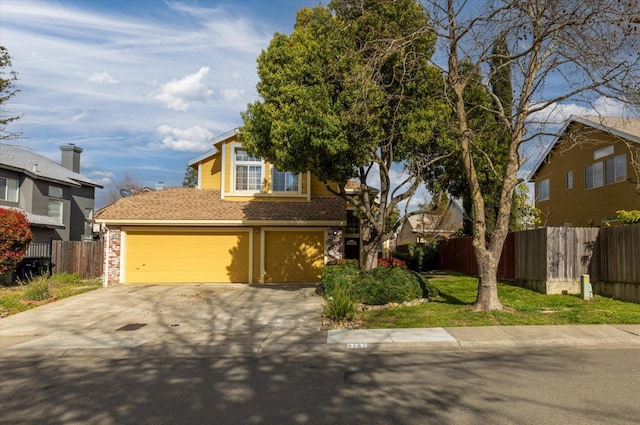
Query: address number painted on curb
(358, 345)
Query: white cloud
(192, 139)
(102, 78)
(558, 113)
(78, 117)
(175, 93)
(103, 178)
(232, 94)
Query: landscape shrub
(341, 305)
(428, 290)
(15, 236)
(344, 262)
(334, 276)
(392, 262)
(420, 257)
(384, 285)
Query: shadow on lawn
(449, 299)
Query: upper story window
(55, 191)
(615, 169)
(9, 189)
(248, 171)
(609, 171)
(602, 152)
(593, 175)
(284, 181)
(56, 210)
(542, 190)
(569, 179)
(353, 223)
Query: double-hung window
(8, 189)
(593, 175)
(615, 169)
(542, 190)
(284, 181)
(248, 171)
(56, 204)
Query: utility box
(586, 291)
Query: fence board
(457, 255)
(83, 258)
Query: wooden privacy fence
(457, 255)
(83, 258)
(552, 259)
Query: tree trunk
(370, 256)
(370, 245)
(487, 299)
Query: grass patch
(453, 307)
(40, 288)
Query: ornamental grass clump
(340, 305)
(38, 289)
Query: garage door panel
(187, 257)
(293, 256)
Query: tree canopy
(346, 95)
(8, 77)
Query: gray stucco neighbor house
(58, 200)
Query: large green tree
(348, 94)
(8, 77)
(556, 52)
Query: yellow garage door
(186, 255)
(293, 256)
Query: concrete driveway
(169, 319)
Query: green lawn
(60, 286)
(458, 293)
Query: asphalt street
(545, 386)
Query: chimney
(71, 157)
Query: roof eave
(219, 223)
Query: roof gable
(40, 167)
(625, 128)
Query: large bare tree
(558, 52)
(8, 78)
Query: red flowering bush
(15, 236)
(391, 262)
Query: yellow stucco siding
(318, 188)
(579, 206)
(293, 256)
(211, 172)
(187, 255)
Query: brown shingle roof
(194, 204)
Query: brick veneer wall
(335, 243)
(112, 255)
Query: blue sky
(142, 85)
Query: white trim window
(542, 190)
(248, 172)
(284, 181)
(9, 189)
(569, 179)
